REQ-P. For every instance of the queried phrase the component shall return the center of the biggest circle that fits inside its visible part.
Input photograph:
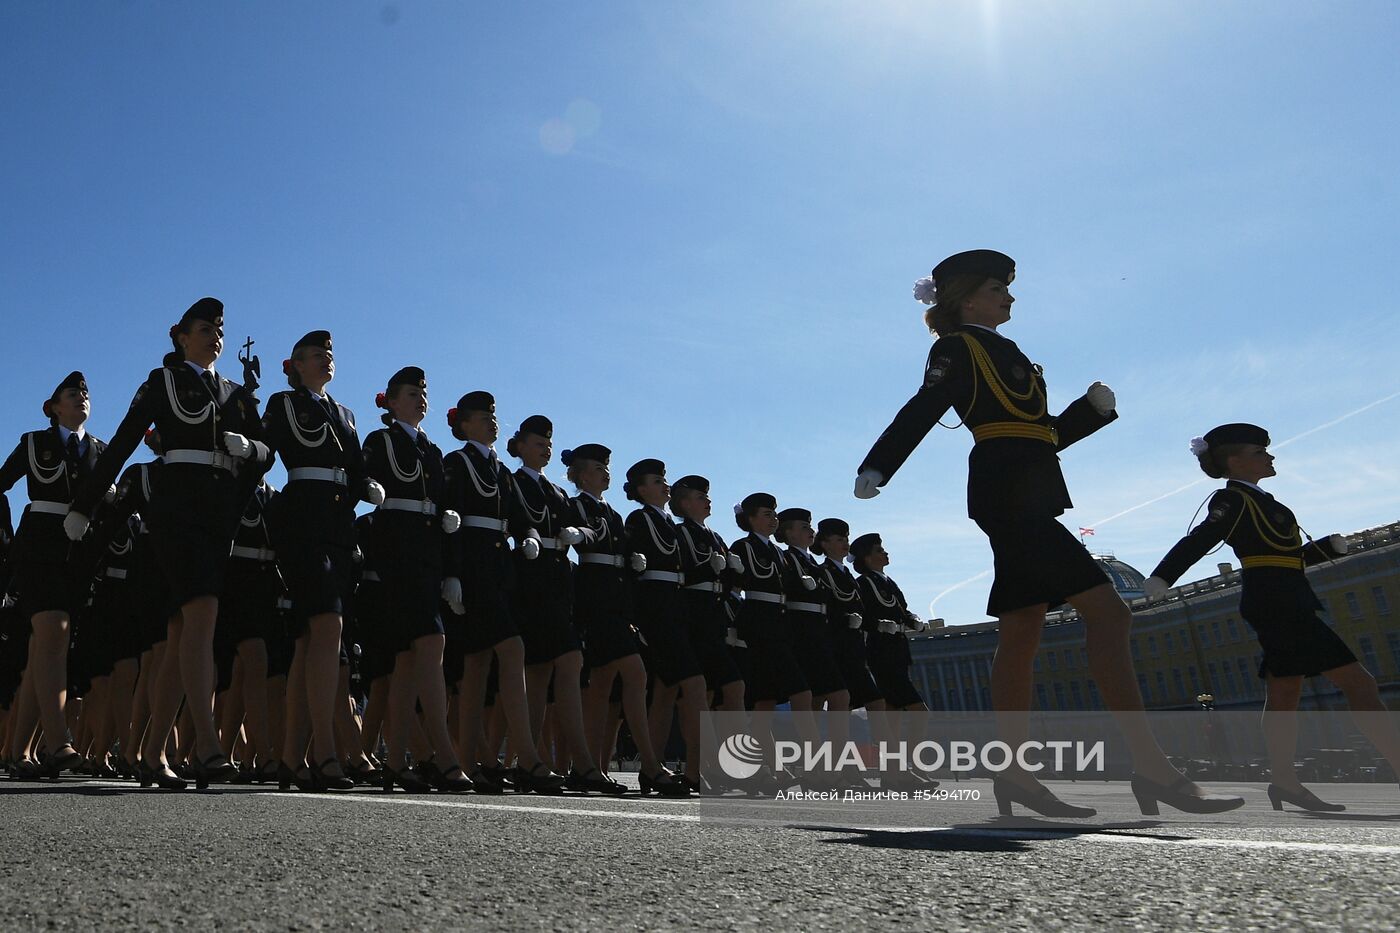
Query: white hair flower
(1198, 446)
(925, 290)
(738, 508)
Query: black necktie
(422, 443)
(73, 457)
(210, 384)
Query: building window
(952, 699)
(1353, 605)
(1215, 630)
(1247, 683)
(1060, 696)
(1161, 687)
(1040, 696)
(1136, 654)
(1076, 694)
(1152, 646)
(1069, 659)
(1195, 681)
(1094, 701)
(1392, 639)
(1230, 680)
(1212, 678)
(1084, 658)
(1054, 660)
(1233, 629)
(1368, 652)
(1142, 688)
(1382, 604)
(1169, 643)
(986, 698)
(1202, 639)
(1178, 683)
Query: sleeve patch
(937, 370)
(140, 394)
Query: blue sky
(690, 231)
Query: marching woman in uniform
(478, 582)
(115, 627)
(843, 615)
(313, 524)
(407, 541)
(603, 610)
(674, 663)
(1015, 494)
(1277, 602)
(213, 459)
(50, 573)
(544, 609)
(806, 614)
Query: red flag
(1086, 531)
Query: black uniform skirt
(602, 605)
(408, 554)
(14, 652)
(889, 663)
(774, 673)
(543, 600)
(372, 631)
(151, 594)
(486, 591)
(672, 659)
(848, 645)
(248, 606)
(49, 570)
(1037, 561)
(707, 624)
(115, 615)
(811, 644)
(318, 575)
(280, 645)
(1281, 607)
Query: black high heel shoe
(322, 781)
(1150, 793)
(1302, 799)
(161, 777)
(539, 779)
(1042, 801)
(664, 783)
(62, 760)
(216, 769)
(483, 782)
(362, 775)
(593, 781)
(287, 776)
(452, 785)
(406, 779)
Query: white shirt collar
(64, 432)
(413, 432)
(534, 474)
(984, 327)
(1245, 482)
(482, 449)
(200, 369)
(585, 492)
(664, 513)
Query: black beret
(586, 452)
(536, 424)
(408, 376)
(73, 380)
(1237, 434)
(205, 309)
(983, 262)
(475, 401)
(643, 468)
(697, 483)
(863, 545)
(758, 500)
(795, 515)
(832, 526)
(317, 338)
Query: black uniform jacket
(305, 432)
(189, 417)
(1264, 535)
(1013, 470)
(40, 458)
(651, 533)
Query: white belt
(732, 639)
(662, 576)
(253, 553)
(807, 607)
(49, 508)
(141, 528)
(283, 602)
(369, 576)
(421, 506)
(549, 544)
(325, 474)
(714, 586)
(763, 597)
(203, 458)
(490, 524)
(888, 628)
(611, 560)
(116, 573)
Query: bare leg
(322, 673)
(252, 661)
(1281, 728)
(1368, 712)
(196, 651)
(166, 696)
(48, 669)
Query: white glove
(808, 583)
(530, 547)
(1102, 398)
(110, 496)
(452, 595)
(374, 493)
(918, 624)
(237, 445)
(868, 484)
(1154, 587)
(854, 620)
(75, 525)
(717, 561)
(1338, 543)
(7, 601)
(735, 564)
(451, 521)
(569, 536)
(639, 563)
